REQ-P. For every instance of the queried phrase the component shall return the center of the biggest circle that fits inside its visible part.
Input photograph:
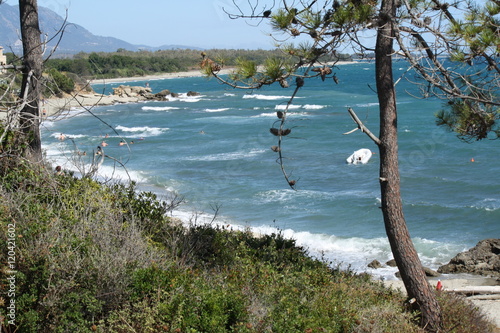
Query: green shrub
(58, 82)
(461, 315)
(93, 257)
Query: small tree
(424, 33)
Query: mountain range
(75, 38)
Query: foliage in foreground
(93, 257)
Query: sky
(195, 23)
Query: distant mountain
(75, 39)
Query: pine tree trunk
(32, 73)
(402, 247)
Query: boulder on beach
(428, 272)
(483, 259)
(131, 91)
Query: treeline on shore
(64, 75)
(123, 63)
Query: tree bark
(402, 247)
(32, 73)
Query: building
(3, 59)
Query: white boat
(361, 156)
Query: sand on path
(485, 292)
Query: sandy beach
(58, 106)
(483, 292)
(160, 76)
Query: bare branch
(362, 127)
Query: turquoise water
(214, 150)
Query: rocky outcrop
(163, 94)
(375, 264)
(131, 91)
(145, 93)
(483, 259)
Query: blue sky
(199, 23)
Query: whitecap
(289, 195)
(265, 115)
(159, 108)
(236, 155)
(142, 130)
(366, 105)
(107, 172)
(290, 107)
(185, 98)
(69, 136)
(265, 97)
(314, 107)
(488, 204)
(216, 110)
(81, 164)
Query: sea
(214, 151)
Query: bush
(57, 82)
(461, 315)
(93, 257)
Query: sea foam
(159, 108)
(142, 131)
(265, 97)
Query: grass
(104, 258)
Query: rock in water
(483, 259)
(391, 263)
(131, 91)
(375, 264)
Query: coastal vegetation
(422, 33)
(85, 256)
(94, 257)
(129, 64)
(67, 75)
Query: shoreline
(55, 107)
(151, 77)
(184, 74)
(483, 292)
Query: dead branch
(362, 127)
